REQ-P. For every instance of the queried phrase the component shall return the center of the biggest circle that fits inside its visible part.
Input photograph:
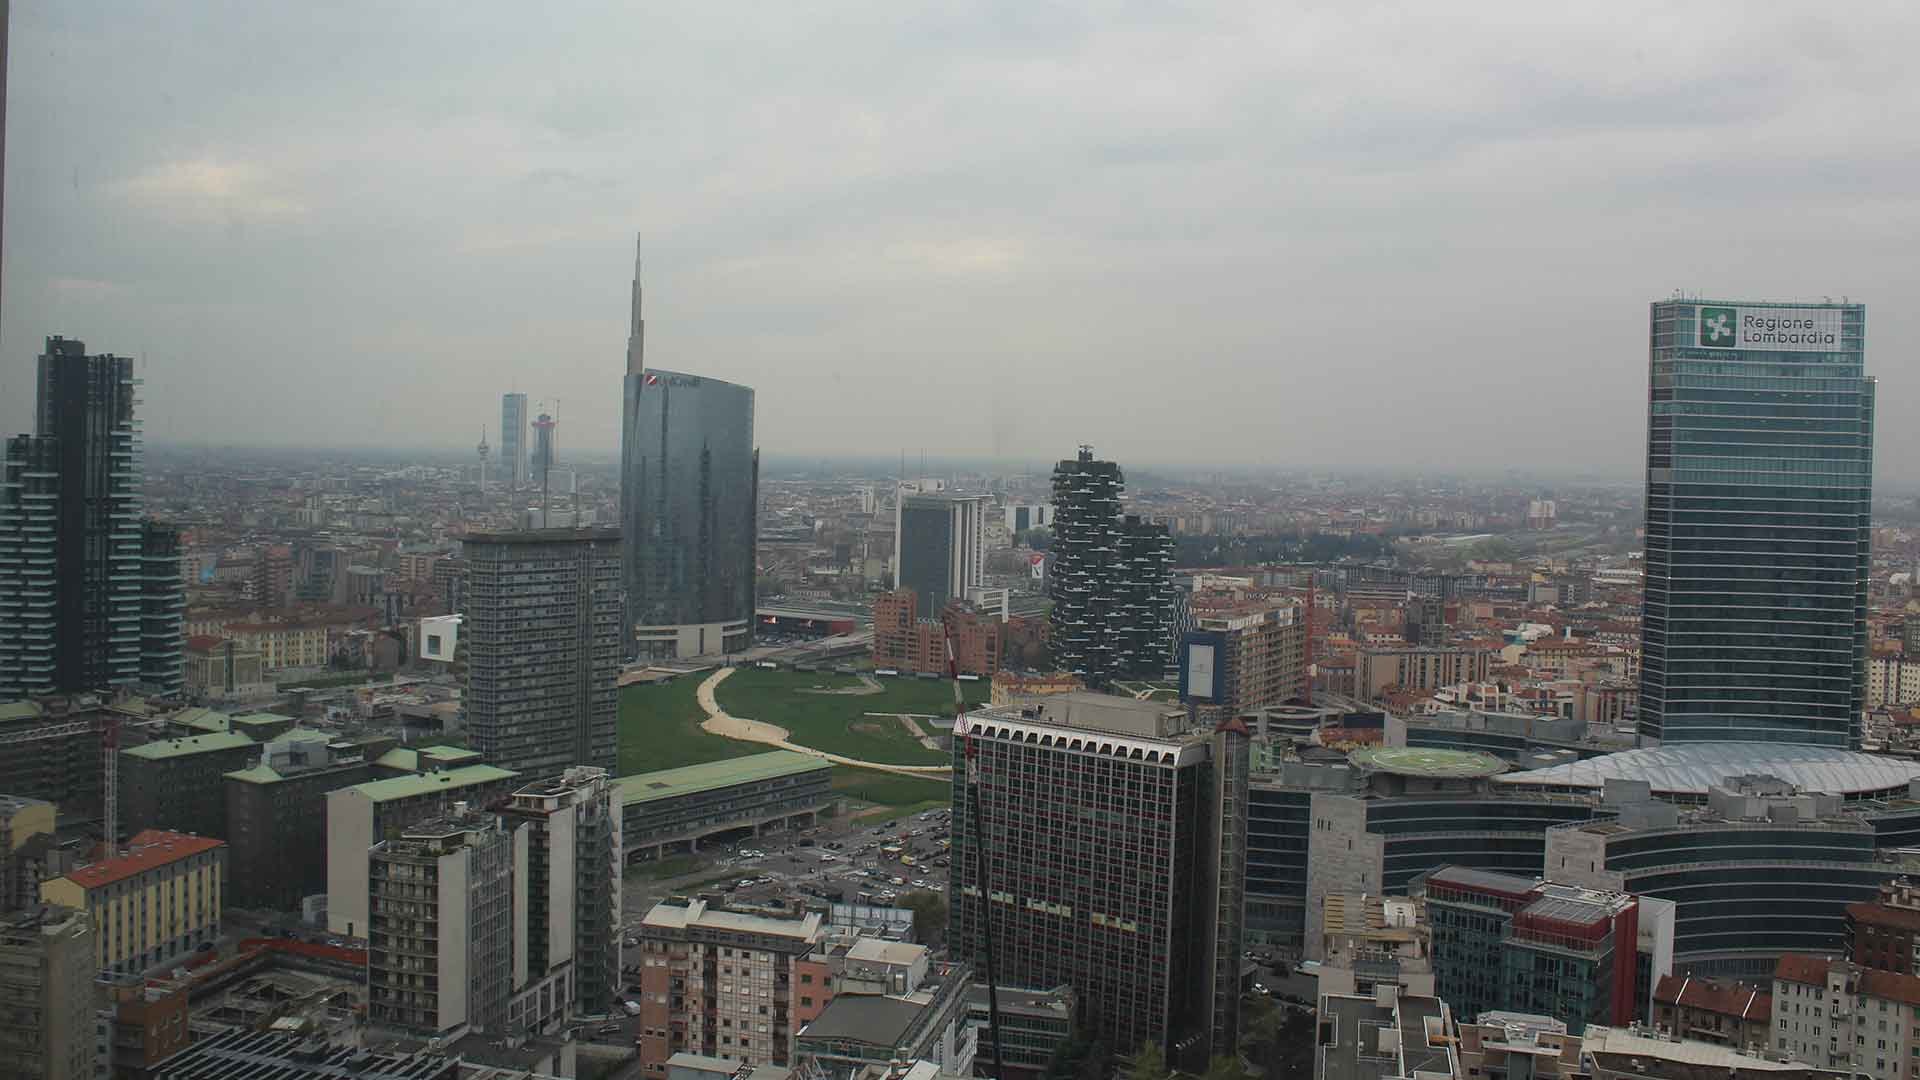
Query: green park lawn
(660, 729)
(837, 723)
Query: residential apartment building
(25, 824)
(362, 815)
(281, 645)
(720, 983)
(141, 1022)
(1113, 845)
(1109, 577)
(903, 641)
(443, 925)
(1729, 1013)
(155, 901)
(90, 590)
(1893, 680)
(544, 640)
(218, 667)
(874, 1022)
(574, 857)
(277, 816)
(1379, 670)
(1245, 658)
(46, 992)
(176, 783)
(1884, 933)
(1837, 1015)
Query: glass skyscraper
(1759, 479)
(90, 590)
(689, 478)
(689, 496)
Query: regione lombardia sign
(1770, 329)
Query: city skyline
(1032, 252)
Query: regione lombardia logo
(1717, 326)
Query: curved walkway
(720, 722)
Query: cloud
(209, 189)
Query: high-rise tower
(689, 493)
(1109, 578)
(90, 594)
(1759, 484)
(939, 547)
(544, 644)
(513, 440)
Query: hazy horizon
(1262, 236)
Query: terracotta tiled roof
(1880, 915)
(1801, 968)
(148, 849)
(1890, 985)
(1727, 999)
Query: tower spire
(637, 328)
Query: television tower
(483, 460)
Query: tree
(1224, 1067)
(929, 915)
(1148, 1064)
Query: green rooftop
(203, 719)
(667, 783)
(408, 757)
(301, 734)
(19, 710)
(406, 787)
(254, 719)
(188, 745)
(259, 774)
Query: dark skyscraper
(90, 594)
(939, 547)
(544, 646)
(1759, 480)
(689, 492)
(1108, 850)
(1109, 578)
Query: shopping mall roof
(1426, 762)
(646, 787)
(1691, 768)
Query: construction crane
(107, 724)
(979, 842)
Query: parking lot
(869, 860)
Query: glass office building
(1759, 478)
(689, 487)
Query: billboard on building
(1200, 667)
(1769, 329)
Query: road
(788, 865)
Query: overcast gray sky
(1262, 232)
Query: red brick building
(1881, 933)
(902, 641)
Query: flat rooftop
(1428, 763)
(406, 787)
(669, 783)
(189, 745)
